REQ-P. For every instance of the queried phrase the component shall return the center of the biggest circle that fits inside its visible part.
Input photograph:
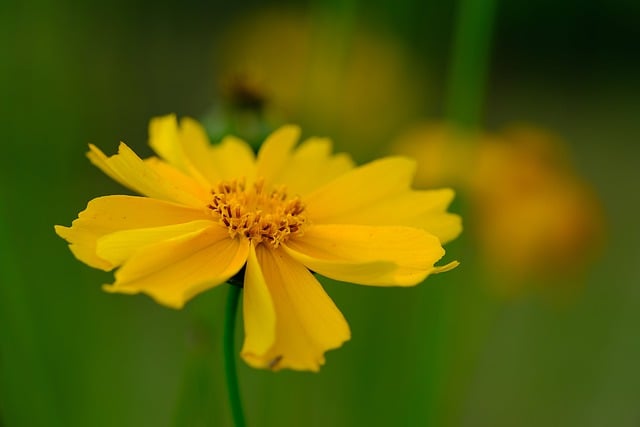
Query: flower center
(256, 213)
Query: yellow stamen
(256, 213)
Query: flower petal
(187, 147)
(307, 321)
(106, 215)
(276, 152)
(383, 256)
(232, 158)
(132, 172)
(423, 209)
(360, 188)
(177, 178)
(174, 271)
(311, 166)
(164, 138)
(258, 309)
(117, 247)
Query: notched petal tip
(448, 194)
(77, 242)
(113, 288)
(449, 227)
(307, 322)
(275, 361)
(164, 119)
(176, 302)
(93, 148)
(95, 151)
(279, 362)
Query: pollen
(256, 212)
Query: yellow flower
(212, 210)
(361, 86)
(534, 218)
(445, 156)
(537, 219)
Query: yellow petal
(117, 247)
(164, 138)
(307, 321)
(106, 215)
(232, 158)
(179, 179)
(360, 188)
(275, 153)
(258, 310)
(197, 148)
(132, 172)
(311, 166)
(382, 256)
(423, 209)
(174, 271)
(186, 147)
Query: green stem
(470, 62)
(230, 356)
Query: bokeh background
(450, 352)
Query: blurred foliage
(443, 353)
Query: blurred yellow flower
(444, 157)
(359, 86)
(535, 220)
(211, 211)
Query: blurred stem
(469, 62)
(229, 356)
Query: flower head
(208, 211)
(535, 219)
(293, 66)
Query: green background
(446, 353)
